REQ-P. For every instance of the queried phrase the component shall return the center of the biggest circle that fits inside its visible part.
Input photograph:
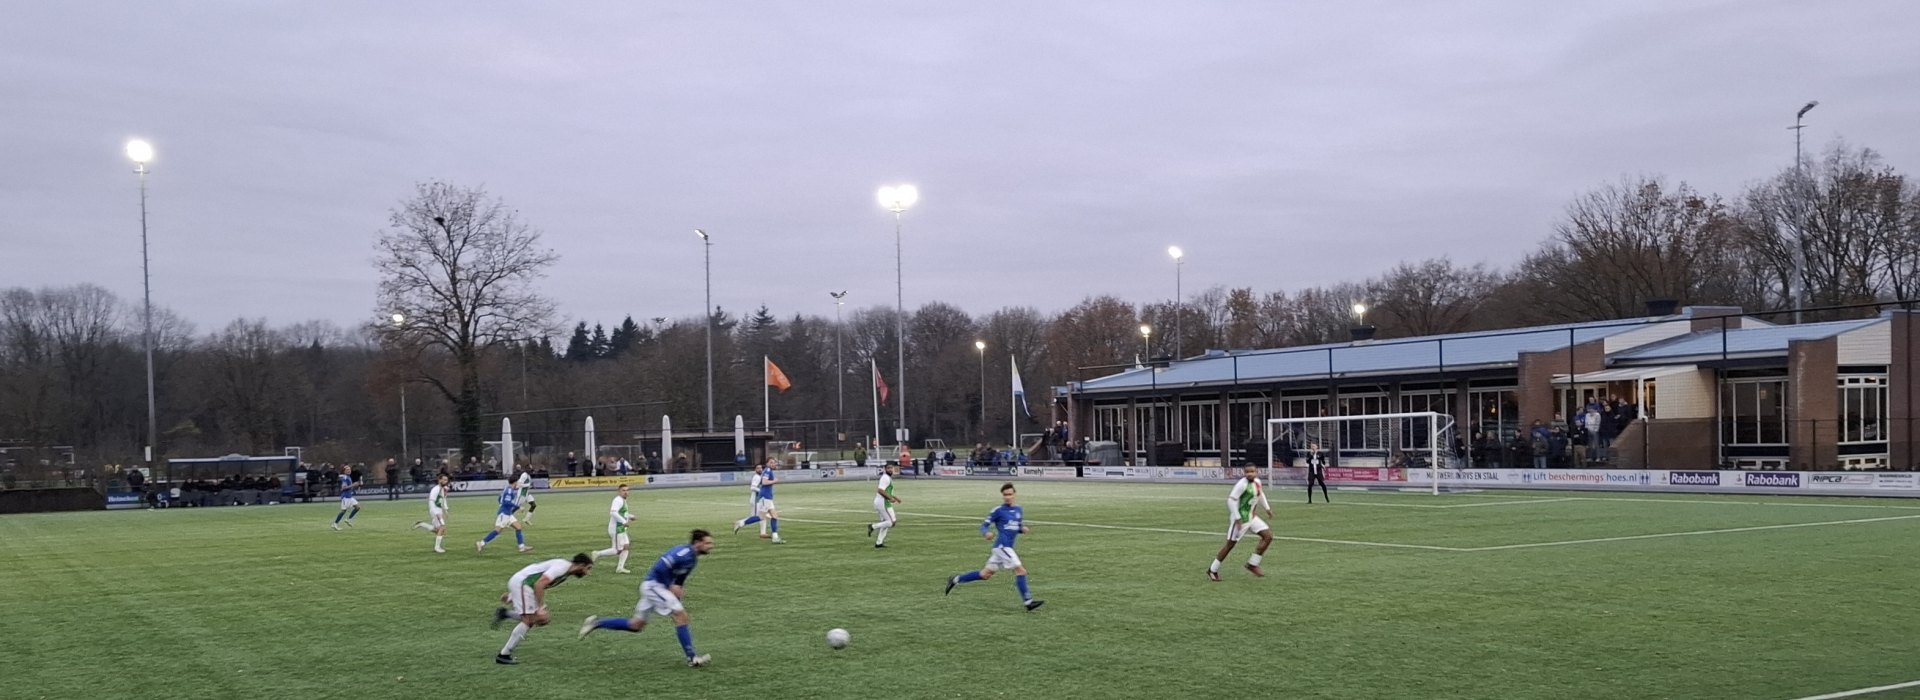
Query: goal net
(1367, 450)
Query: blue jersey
(508, 501)
(346, 487)
(1007, 518)
(766, 486)
(673, 568)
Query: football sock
(686, 639)
(520, 537)
(354, 512)
(750, 520)
(969, 577)
(490, 536)
(615, 623)
(603, 553)
(775, 524)
(883, 535)
(439, 541)
(1020, 582)
(336, 518)
(1253, 560)
(623, 558)
(1214, 567)
(423, 526)
(513, 640)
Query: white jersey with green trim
(553, 569)
(437, 499)
(1246, 492)
(617, 516)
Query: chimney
(1662, 307)
(1362, 334)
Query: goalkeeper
(1316, 472)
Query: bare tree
(1853, 217)
(460, 266)
(1430, 297)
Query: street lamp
(1179, 300)
(897, 199)
(1799, 226)
(141, 152)
(707, 315)
(839, 366)
(1146, 338)
(399, 325)
(981, 346)
(1359, 314)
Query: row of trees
(474, 336)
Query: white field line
(1861, 691)
(1741, 503)
(1692, 533)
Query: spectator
(1590, 425)
(1540, 440)
(573, 465)
(135, 480)
(393, 479)
(860, 455)
(653, 462)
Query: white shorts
(656, 599)
(349, 502)
(436, 517)
(619, 539)
(503, 520)
(1254, 526)
(520, 598)
(1003, 558)
(763, 507)
(885, 509)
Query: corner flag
(1019, 389)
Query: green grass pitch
(1489, 595)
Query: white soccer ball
(838, 638)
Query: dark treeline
(71, 370)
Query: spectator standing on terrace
(1540, 441)
(393, 479)
(1590, 425)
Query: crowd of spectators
(1585, 441)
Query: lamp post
(1146, 344)
(706, 314)
(399, 325)
(839, 366)
(1359, 314)
(1179, 300)
(141, 152)
(1799, 225)
(981, 346)
(897, 199)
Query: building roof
(1737, 343)
(1456, 351)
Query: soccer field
(1488, 595)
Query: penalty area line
(1862, 691)
(1691, 533)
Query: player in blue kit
(1007, 518)
(349, 506)
(763, 508)
(509, 502)
(660, 594)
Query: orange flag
(776, 378)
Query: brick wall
(1813, 403)
(1536, 370)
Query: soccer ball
(838, 638)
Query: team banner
(583, 482)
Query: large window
(1416, 434)
(1863, 408)
(1247, 421)
(1306, 407)
(1496, 412)
(1753, 412)
(1199, 423)
(1110, 423)
(1364, 435)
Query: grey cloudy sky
(1059, 147)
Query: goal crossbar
(1438, 426)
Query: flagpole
(873, 385)
(766, 391)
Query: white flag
(1019, 391)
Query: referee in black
(1316, 472)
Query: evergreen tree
(580, 347)
(600, 345)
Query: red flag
(776, 378)
(880, 383)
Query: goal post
(1414, 440)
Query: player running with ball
(349, 506)
(883, 500)
(1007, 518)
(1246, 492)
(617, 520)
(504, 519)
(763, 509)
(660, 594)
(526, 598)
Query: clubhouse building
(1705, 387)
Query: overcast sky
(1058, 147)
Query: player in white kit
(617, 520)
(1246, 493)
(526, 598)
(883, 500)
(436, 521)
